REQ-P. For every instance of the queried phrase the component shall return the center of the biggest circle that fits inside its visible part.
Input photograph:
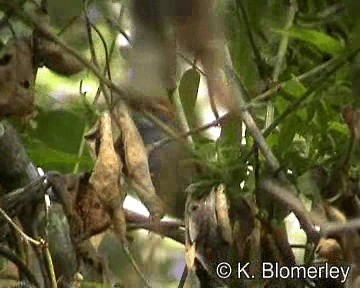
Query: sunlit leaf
(339, 127)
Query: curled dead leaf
(16, 78)
(190, 254)
(83, 209)
(105, 179)
(203, 232)
(190, 246)
(130, 145)
(222, 213)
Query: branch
(18, 230)
(14, 201)
(280, 58)
(254, 130)
(293, 203)
(171, 229)
(328, 229)
(135, 100)
(312, 73)
(284, 41)
(16, 169)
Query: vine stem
(280, 58)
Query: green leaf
(339, 127)
(53, 159)
(59, 129)
(322, 41)
(55, 140)
(188, 89)
(287, 133)
(294, 87)
(229, 141)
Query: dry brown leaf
(86, 214)
(222, 213)
(190, 254)
(90, 209)
(130, 145)
(16, 78)
(190, 246)
(105, 178)
(203, 236)
(191, 231)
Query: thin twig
(114, 24)
(336, 64)
(67, 25)
(164, 141)
(134, 264)
(291, 201)
(328, 229)
(19, 230)
(183, 277)
(283, 45)
(107, 57)
(258, 59)
(165, 128)
(136, 100)
(50, 266)
(167, 228)
(128, 96)
(93, 53)
(284, 41)
(109, 102)
(316, 71)
(248, 119)
(108, 99)
(190, 62)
